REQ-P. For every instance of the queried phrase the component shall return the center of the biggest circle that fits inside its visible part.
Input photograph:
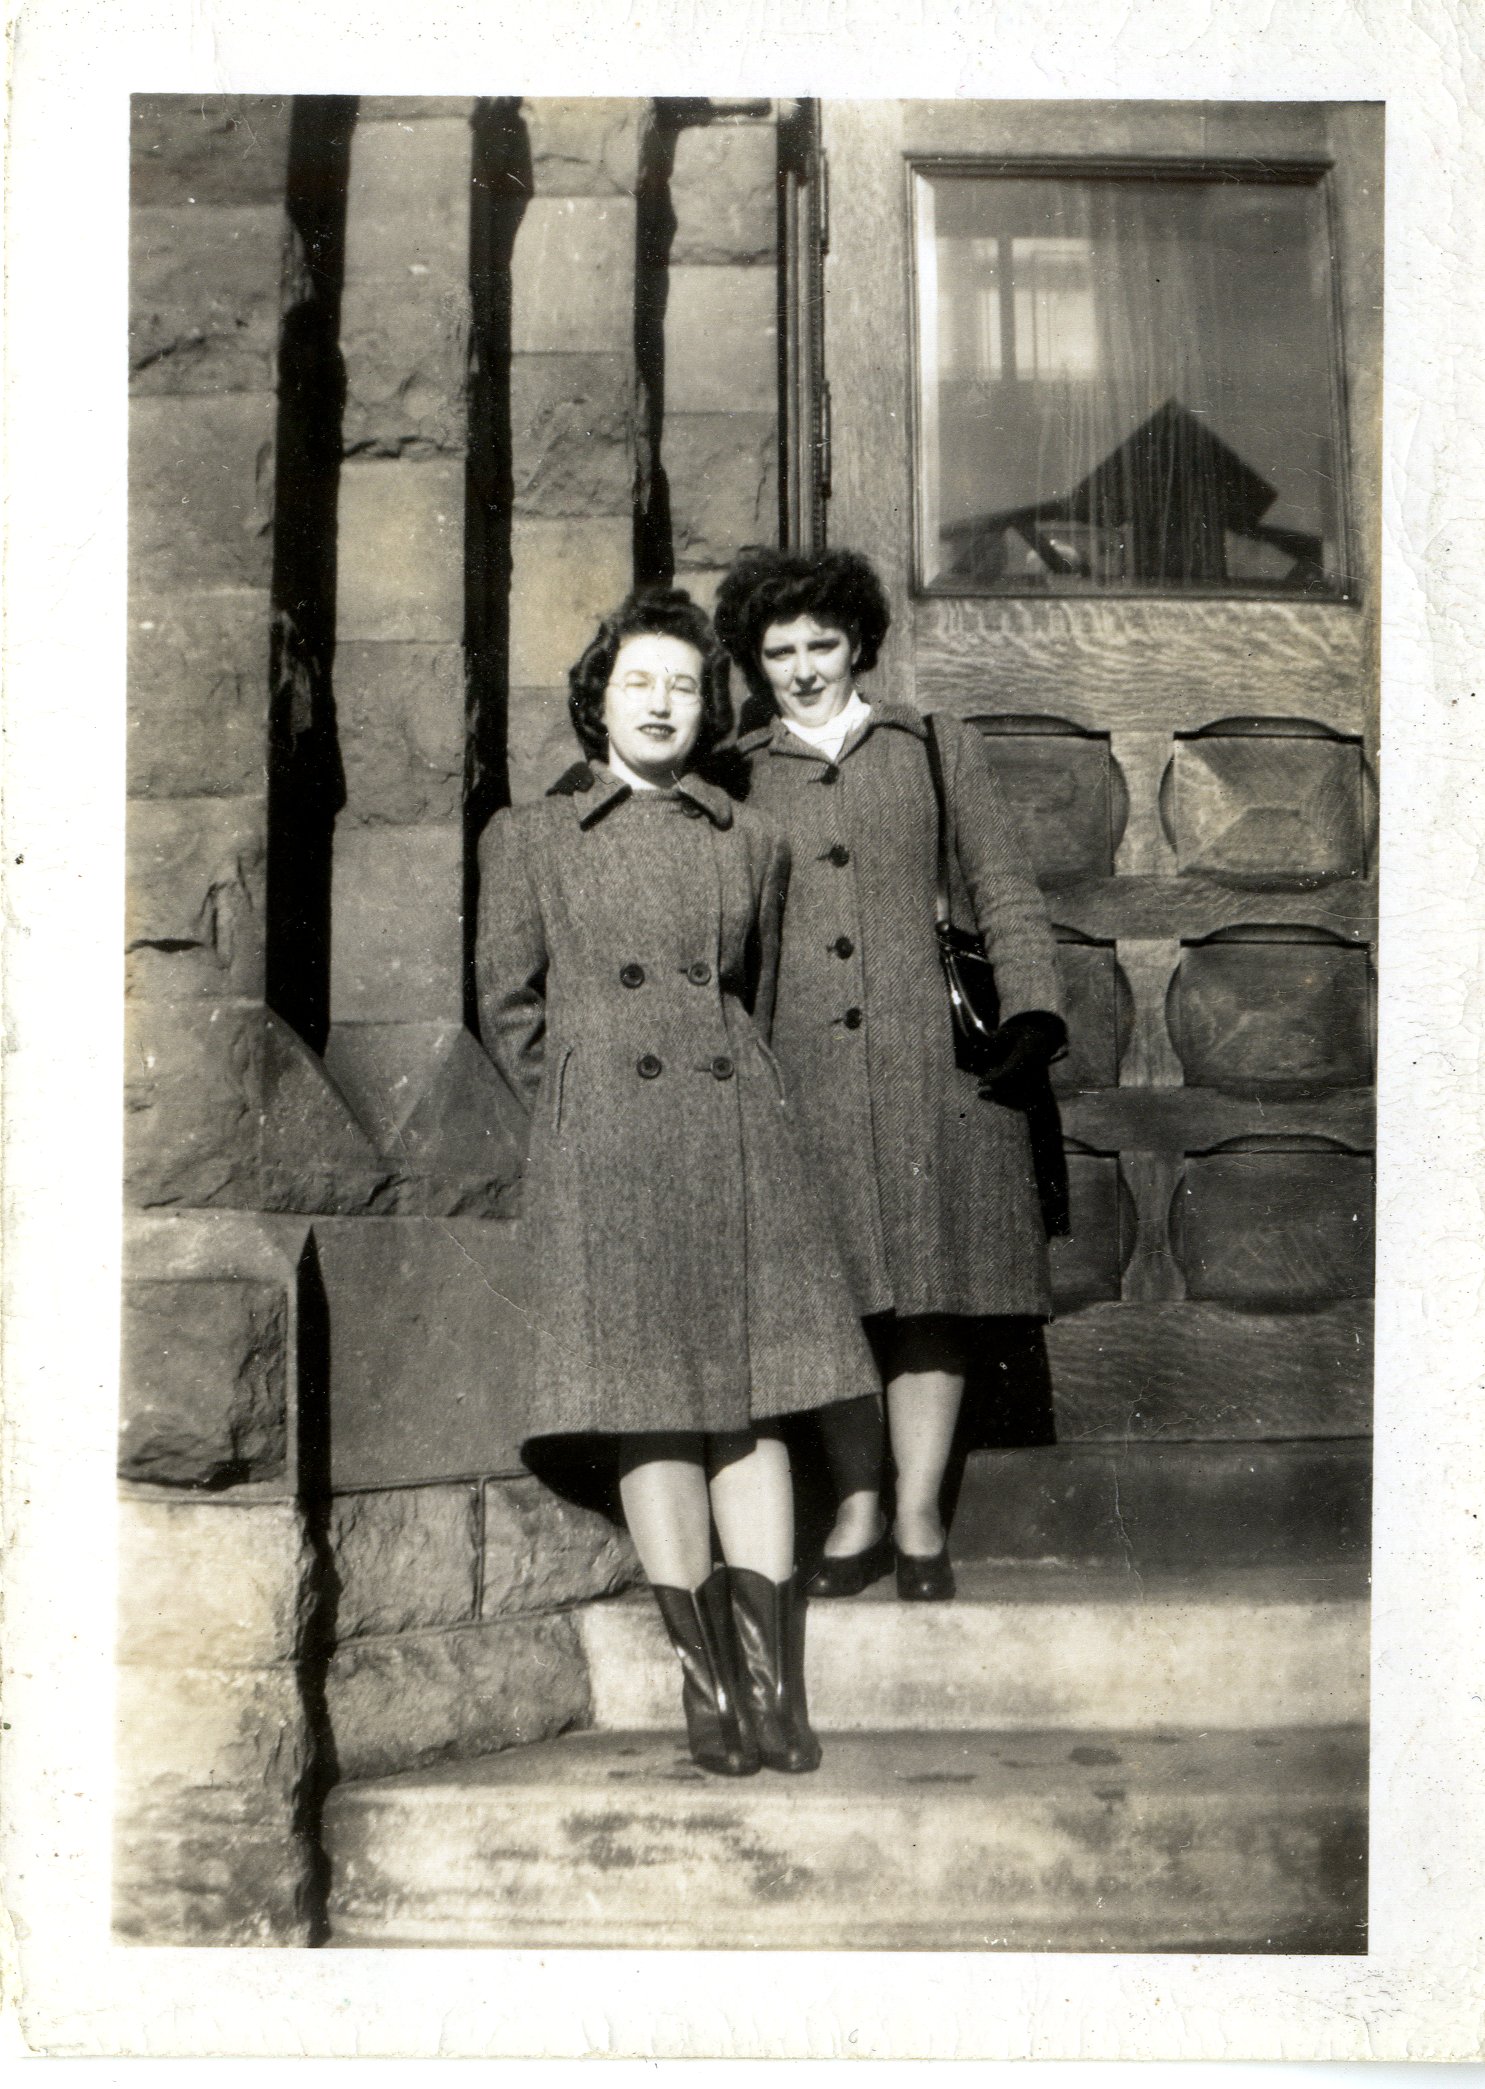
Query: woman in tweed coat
(930, 1176)
(684, 1292)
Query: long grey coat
(684, 1274)
(932, 1189)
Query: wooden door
(1187, 724)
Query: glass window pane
(1126, 383)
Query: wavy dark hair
(666, 613)
(766, 586)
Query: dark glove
(1019, 1053)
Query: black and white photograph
(752, 766)
(741, 1116)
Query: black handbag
(974, 1010)
(974, 1005)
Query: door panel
(1195, 778)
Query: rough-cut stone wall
(215, 1739)
(206, 259)
(453, 1626)
(220, 1754)
(573, 439)
(331, 1563)
(719, 443)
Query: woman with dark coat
(685, 1291)
(928, 1172)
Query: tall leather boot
(699, 1622)
(770, 1640)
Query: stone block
(573, 435)
(428, 1347)
(587, 147)
(204, 297)
(540, 742)
(572, 276)
(193, 1098)
(198, 694)
(407, 216)
(414, 108)
(397, 952)
(701, 584)
(398, 1702)
(430, 1097)
(721, 341)
(407, 1558)
(205, 1376)
(215, 148)
(565, 576)
(226, 1746)
(722, 469)
(542, 1553)
(400, 551)
(194, 890)
(724, 192)
(406, 361)
(400, 710)
(212, 1584)
(201, 491)
(210, 1886)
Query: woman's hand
(1020, 1052)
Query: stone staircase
(1099, 1756)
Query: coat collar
(595, 790)
(776, 737)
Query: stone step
(971, 1841)
(1169, 1505)
(1033, 1647)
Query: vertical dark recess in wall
(654, 233)
(306, 787)
(500, 172)
(322, 1772)
(802, 233)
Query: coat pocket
(559, 1084)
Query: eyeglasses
(684, 686)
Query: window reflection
(1126, 383)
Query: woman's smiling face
(808, 665)
(652, 705)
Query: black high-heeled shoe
(922, 1580)
(718, 1729)
(854, 1572)
(769, 1616)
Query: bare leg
(853, 1438)
(753, 1502)
(925, 1384)
(662, 1484)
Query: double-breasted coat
(933, 1189)
(683, 1272)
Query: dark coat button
(692, 812)
(647, 1066)
(843, 947)
(840, 855)
(699, 974)
(583, 781)
(829, 773)
(853, 1019)
(631, 975)
(722, 1067)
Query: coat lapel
(776, 738)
